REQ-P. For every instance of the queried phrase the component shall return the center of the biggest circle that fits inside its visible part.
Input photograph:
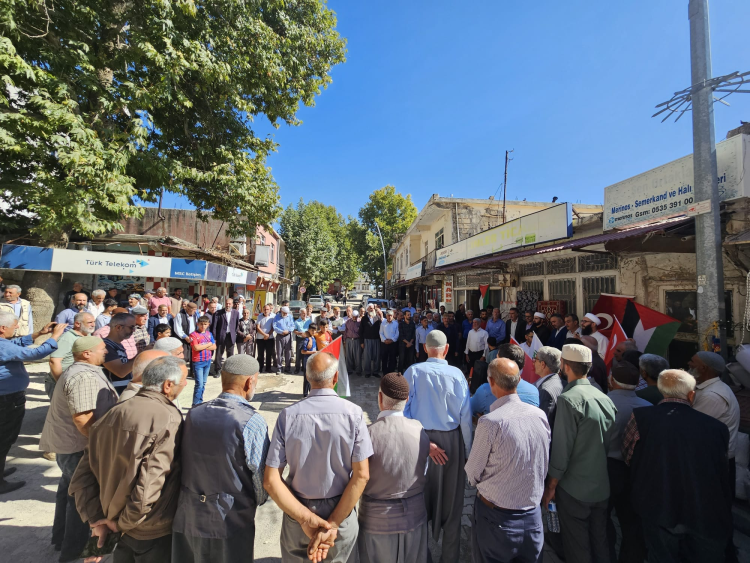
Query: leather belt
(490, 503)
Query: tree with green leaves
(105, 104)
(317, 238)
(393, 214)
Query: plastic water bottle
(553, 519)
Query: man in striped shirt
(508, 464)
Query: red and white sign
(302, 289)
(448, 291)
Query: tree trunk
(42, 290)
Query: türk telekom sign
(669, 190)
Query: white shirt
(716, 399)
(229, 320)
(528, 349)
(476, 341)
(384, 414)
(513, 326)
(163, 320)
(603, 343)
(95, 309)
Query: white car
(316, 301)
(352, 295)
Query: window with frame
(534, 285)
(561, 266)
(426, 248)
(532, 269)
(273, 253)
(439, 240)
(597, 262)
(594, 287)
(563, 290)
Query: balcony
(429, 261)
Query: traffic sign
(302, 290)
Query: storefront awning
(570, 244)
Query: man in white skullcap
(223, 454)
(170, 345)
(283, 327)
(577, 476)
(590, 327)
(540, 327)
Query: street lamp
(385, 260)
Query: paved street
(26, 515)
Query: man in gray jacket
(392, 513)
(547, 366)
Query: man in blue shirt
(496, 326)
(80, 301)
(300, 328)
(14, 380)
(439, 399)
(526, 391)
(422, 331)
(283, 327)
(409, 308)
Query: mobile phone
(92, 548)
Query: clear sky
(434, 92)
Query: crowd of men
(653, 446)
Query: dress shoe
(9, 471)
(10, 486)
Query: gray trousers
(406, 547)
(294, 542)
(284, 352)
(371, 360)
(246, 347)
(583, 526)
(353, 356)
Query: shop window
(594, 287)
(683, 306)
(563, 290)
(535, 286)
(439, 240)
(561, 266)
(597, 262)
(532, 269)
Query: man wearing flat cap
(590, 327)
(283, 327)
(392, 515)
(577, 477)
(83, 394)
(622, 383)
(223, 452)
(714, 398)
(439, 400)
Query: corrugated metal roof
(570, 244)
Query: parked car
(317, 301)
(382, 303)
(327, 298)
(295, 306)
(353, 295)
(365, 297)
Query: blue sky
(433, 93)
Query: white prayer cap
(576, 353)
(285, 309)
(540, 315)
(389, 312)
(593, 318)
(355, 314)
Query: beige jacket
(130, 470)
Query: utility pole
(708, 250)
(505, 181)
(385, 260)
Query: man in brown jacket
(129, 477)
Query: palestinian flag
(336, 348)
(484, 296)
(651, 330)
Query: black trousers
(633, 546)
(12, 409)
(266, 353)
(226, 345)
(406, 356)
(389, 357)
(584, 528)
(473, 357)
(131, 550)
(297, 354)
(68, 530)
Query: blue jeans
(68, 530)
(201, 374)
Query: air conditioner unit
(262, 255)
(238, 248)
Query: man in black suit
(680, 485)
(514, 327)
(540, 327)
(223, 326)
(162, 317)
(559, 332)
